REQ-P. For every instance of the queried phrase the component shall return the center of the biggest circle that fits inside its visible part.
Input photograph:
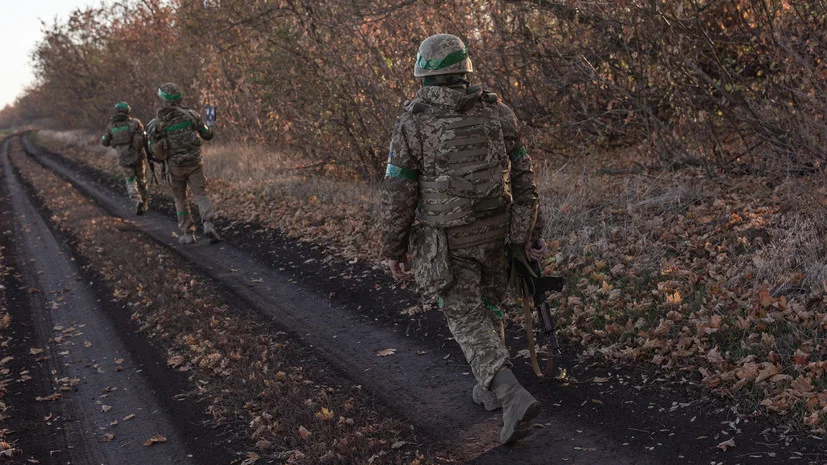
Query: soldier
(458, 186)
(175, 136)
(127, 136)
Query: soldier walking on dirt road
(175, 136)
(458, 185)
(127, 136)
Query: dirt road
(90, 399)
(622, 418)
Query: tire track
(106, 408)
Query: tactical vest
(182, 140)
(122, 132)
(465, 189)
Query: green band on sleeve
(394, 171)
(183, 213)
(519, 153)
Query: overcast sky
(20, 30)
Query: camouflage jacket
(413, 156)
(183, 129)
(126, 135)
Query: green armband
(394, 171)
(517, 154)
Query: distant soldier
(175, 136)
(458, 186)
(127, 136)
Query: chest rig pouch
(464, 190)
(122, 133)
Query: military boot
(519, 407)
(186, 238)
(143, 206)
(485, 398)
(209, 231)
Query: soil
(348, 311)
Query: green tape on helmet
(123, 107)
(167, 96)
(450, 59)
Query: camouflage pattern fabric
(183, 129)
(477, 271)
(135, 177)
(126, 136)
(181, 177)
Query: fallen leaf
(155, 440)
(252, 458)
(726, 444)
(385, 352)
(106, 408)
(129, 417)
(324, 414)
(55, 396)
(304, 432)
(35, 351)
(175, 361)
(108, 437)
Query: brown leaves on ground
(157, 439)
(240, 366)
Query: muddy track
(107, 395)
(618, 421)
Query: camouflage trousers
(135, 176)
(181, 177)
(479, 281)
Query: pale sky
(20, 30)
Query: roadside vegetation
(678, 144)
(7, 450)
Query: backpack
(174, 136)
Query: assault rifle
(543, 284)
(528, 281)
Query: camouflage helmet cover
(123, 107)
(442, 54)
(169, 91)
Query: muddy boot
(485, 398)
(209, 231)
(519, 407)
(186, 239)
(142, 207)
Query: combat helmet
(123, 107)
(169, 92)
(442, 54)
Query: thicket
(737, 83)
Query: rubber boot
(186, 239)
(519, 407)
(209, 231)
(485, 398)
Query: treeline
(735, 83)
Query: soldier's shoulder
(415, 106)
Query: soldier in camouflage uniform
(175, 136)
(127, 136)
(458, 186)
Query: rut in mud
(612, 416)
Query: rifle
(528, 281)
(152, 168)
(544, 284)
